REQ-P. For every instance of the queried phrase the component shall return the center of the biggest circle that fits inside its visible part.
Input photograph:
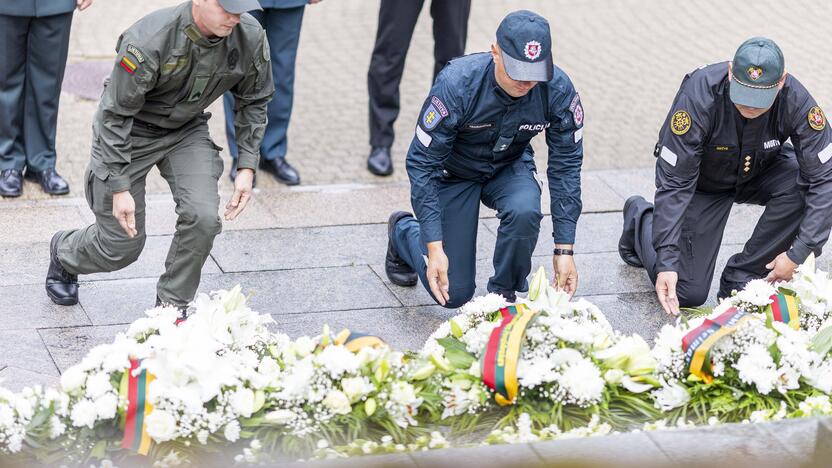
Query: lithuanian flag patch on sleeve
(128, 65)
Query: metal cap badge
(526, 46)
(236, 7)
(756, 70)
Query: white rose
(73, 379)
(671, 395)
(97, 385)
(161, 425)
(242, 401)
(24, 408)
(336, 401)
(83, 414)
(354, 388)
(281, 416)
(106, 406)
(304, 346)
(614, 376)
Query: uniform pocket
(687, 256)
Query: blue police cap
(236, 7)
(526, 45)
(756, 71)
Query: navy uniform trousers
(282, 27)
(514, 193)
(396, 21)
(33, 53)
(704, 224)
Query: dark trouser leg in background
(14, 35)
(45, 64)
(450, 30)
(702, 230)
(515, 193)
(460, 201)
(776, 229)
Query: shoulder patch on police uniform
(434, 113)
(680, 122)
(816, 118)
(127, 64)
(136, 52)
(577, 110)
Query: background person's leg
(460, 201)
(192, 168)
(14, 32)
(47, 53)
(450, 30)
(515, 193)
(396, 20)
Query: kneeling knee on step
(205, 222)
(693, 297)
(459, 296)
(124, 251)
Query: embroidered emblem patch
(680, 122)
(434, 113)
(578, 115)
(127, 65)
(754, 73)
(136, 52)
(532, 50)
(816, 118)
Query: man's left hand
(83, 4)
(566, 274)
(242, 194)
(782, 268)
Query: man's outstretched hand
(782, 268)
(666, 291)
(242, 194)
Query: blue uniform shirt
(471, 128)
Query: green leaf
(822, 342)
(456, 331)
(459, 358)
(451, 343)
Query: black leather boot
(379, 162)
(626, 243)
(61, 285)
(397, 270)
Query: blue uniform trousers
(32, 60)
(282, 27)
(514, 193)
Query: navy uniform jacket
(36, 8)
(471, 128)
(706, 145)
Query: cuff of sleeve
(430, 233)
(799, 252)
(247, 160)
(666, 260)
(564, 232)
(119, 183)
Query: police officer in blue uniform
(472, 144)
(725, 142)
(34, 35)
(282, 21)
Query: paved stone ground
(313, 254)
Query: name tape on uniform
(579, 134)
(668, 156)
(423, 136)
(825, 154)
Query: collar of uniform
(192, 30)
(502, 96)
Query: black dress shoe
(281, 170)
(626, 243)
(379, 161)
(398, 271)
(49, 179)
(11, 183)
(61, 285)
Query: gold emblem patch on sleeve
(816, 118)
(680, 123)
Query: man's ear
(782, 80)
(495, 52)
(730, 66)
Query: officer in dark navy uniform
(725, 142)
(473, 144)
(34, 41)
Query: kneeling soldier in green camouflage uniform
(171, 65)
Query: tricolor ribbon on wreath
(698, 343)
(133, 388)
(499, 363)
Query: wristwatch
(563, 252)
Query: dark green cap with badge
(756, 70)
